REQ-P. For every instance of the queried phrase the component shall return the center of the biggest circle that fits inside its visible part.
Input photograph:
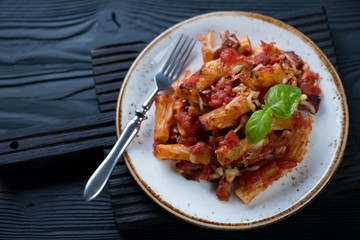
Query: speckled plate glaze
(196, 202)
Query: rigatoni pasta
(202, 125)
(163, 117)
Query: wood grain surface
(46, 79)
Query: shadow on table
(40, 173)
(298, 226)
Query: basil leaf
(264, 107)
(283, 99)
(258, 126)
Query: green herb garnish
(281, 100)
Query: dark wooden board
(46, 201)
(46, 78)
(64, 137)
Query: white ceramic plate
(196, 202)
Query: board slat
(28, 144)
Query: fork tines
(175, 63)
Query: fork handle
(99, 178)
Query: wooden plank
(114, 57)
(108, 107)
(56, 139)
(315, 20)
(114, 49)
(113, 76)
(108, 87)
(109, 97)
(46, 201)
(61, 126)
(113, 68)
(49, 152)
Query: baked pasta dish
(236, 120)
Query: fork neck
(146, 105)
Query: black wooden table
(61, 65)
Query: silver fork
(163, 79)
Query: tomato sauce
(214, 142)
(308, 84)
(297, 60)
(192, 80)
(189, 122)
(273, 167)
(315, 101)
(189, 141)
(199, 148)
(205, 172)
(300, 121)
(260, 58)
(309, 89)
(192, 171)
(231, 139)
(221, 96)
(230, 57)
(276, 140)
(262, 94)
(268, 47)
(250, 177)
(228, 44)
(222, 191)
(285, 163)
(267, 57)
(194, 77)
(266, 69)
(247, 51)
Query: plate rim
(304, 200)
